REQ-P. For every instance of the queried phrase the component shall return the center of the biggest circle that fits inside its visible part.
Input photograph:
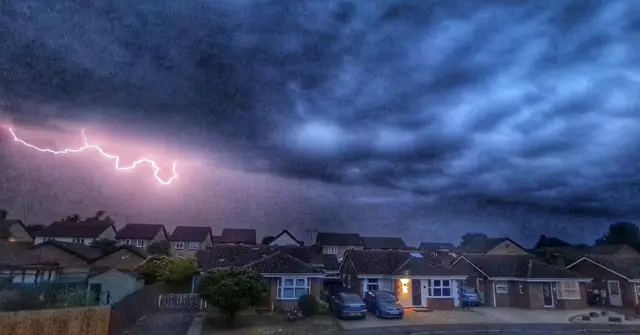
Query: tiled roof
(338, 239)
(240, 236)
(393, 262)
(290, 235)
(481, 246)
(189, 233)
(5, 226)
(139, 231)
(517, 266)
(374, 242)
(13, 253)
(550, 242)
(281, 258)
(436, 246)
(624, 265)
(330, 262)
(81, 250)
(84, 229)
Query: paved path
(494, 329)
(162, 323)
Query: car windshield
(469, 291)
(385, 297)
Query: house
(521, 281)
(330, 265)
(415, 280)
(489, 246)
(124, 258)
(187, 240)
(442, 253)
(289, 272)
(616, 279)
(545, 242)
(284, 238)
(14, 231)
(563, 256)
(383, 243)
(108, 286)
(338, 243)
(238, 236)
(83, 232)
(141, 235)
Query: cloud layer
(532, 103)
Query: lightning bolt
(87, 146)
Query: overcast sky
(425, 119)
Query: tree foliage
(231, 290)
(470, 238)
(621, 233)
(71, 218)
(171, 270)
(162, 248)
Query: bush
(308, 305)
(323, 308)
(171, 270)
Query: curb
(196, 325)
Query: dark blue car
(383, 304)
(348, 306)
(470, 297)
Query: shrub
(171, 270)
(308, 305)
(323, 308)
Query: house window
(439, 288)
(140, 243)
(502, 287)
(349, 281)
(49, 239)
(179, 245)
(292, 288)
(521, 287)
(569, 290)
(434, 255)
(194, 245)
(78, 240)
(127, 242)
(332, 250)
(372, 284)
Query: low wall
(67, 321)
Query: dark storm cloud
(531, 103)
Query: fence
(67, 321)
(181, 302)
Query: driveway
(162, 323)
(412, 318)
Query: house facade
(521, 281)
(383, 243)
(338, 243)
(14, 231)
(289, 272)
(414, 280)
(285, 238)
(84, 232)
(141, 235)
(616, 279)
(187, 240)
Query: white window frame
(127, 241)
(179, 245)
(373, 284)
(502, 287)
(332, 250)
(521, 287)
(431, 292)
(78, 240)
(568, 290)
(194, 245)
(295, 285)
(140, 243)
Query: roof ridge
(261, 259)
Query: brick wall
(70, 321)
(440, 303)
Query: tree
(171, 270)
(162, 248)
(73, 218)
(470, 238)
(105, 245)
(32, 229)
(102, 216)
(621, 233)
(231, 290)
(267, 240)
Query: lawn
(252, 323)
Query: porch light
(405, 283)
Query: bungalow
(284, 238)
(187, 240)
(14, 231)
(616, 279)
(289, 272)
(83, 232)
(238, 236)
(141, 235)
(521, 281)
(383, 243)
(414, 280)
(338, 243)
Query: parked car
(383, 304)
(470, 297)
(348, 305)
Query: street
(489, 329)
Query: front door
(615, 298)
(480, 288)
(547, 295)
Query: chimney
(3, 214)
(313, 233)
